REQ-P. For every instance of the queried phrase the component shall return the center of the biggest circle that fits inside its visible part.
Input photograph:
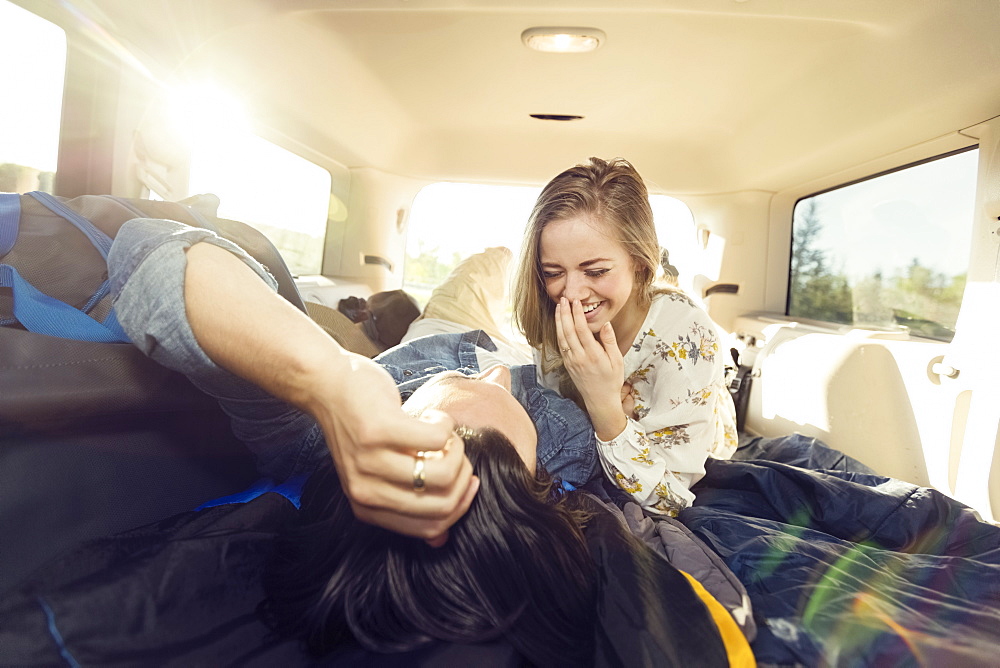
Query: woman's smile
(591, 310)
(583, 263)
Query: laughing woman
(643, 359)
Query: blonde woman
(642, 359)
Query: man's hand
(374, 445)
(249, 330)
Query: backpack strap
(10, 216)
(43, 314)
(39, 312)
(101, 241)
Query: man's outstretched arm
(256, 334)
(242, 326)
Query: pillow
(473, 292)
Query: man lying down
(452, 517)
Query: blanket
(187, 591)
(847, 568)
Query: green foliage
(427, 267)
(21, 179)
(815, 291)
(924, 301)
(823, 297)
(426, 270)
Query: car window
(888, 252)
(680, 254)
(451, 221)
(274, 190)
(35, 51)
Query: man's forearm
(246, 328)
(147, 265)
(199, 305)
(256, 334)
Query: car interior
(826, 177)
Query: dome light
(563, 40)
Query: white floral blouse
(683, 410)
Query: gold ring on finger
(419, 473)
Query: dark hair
(516, 565)
(391, 313)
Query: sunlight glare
(205, 112)
(36, 51)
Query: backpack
(94, 436)
(61, 245)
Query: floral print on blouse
(683, 410)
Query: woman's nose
(574, 288)
(497, 374)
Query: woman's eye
(593, 273)
(550, 274)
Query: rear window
(890, 252)
(448, 222)
(34, 51)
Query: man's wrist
(317, 378)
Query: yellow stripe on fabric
(737, 648)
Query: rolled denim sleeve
(146, 267)
(566, 443)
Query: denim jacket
(566, 445)
(146, 267)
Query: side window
(890, 252)
(35, 51)
(276, 191)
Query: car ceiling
(704, 96)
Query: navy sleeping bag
(853, 569)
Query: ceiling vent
(556, 117)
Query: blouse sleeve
(677, 382)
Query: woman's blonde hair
(608, 191)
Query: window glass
(889, 252)
(35, 52)
(680, 254)
(276, 191)
(450, 221)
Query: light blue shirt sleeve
(146, 268)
